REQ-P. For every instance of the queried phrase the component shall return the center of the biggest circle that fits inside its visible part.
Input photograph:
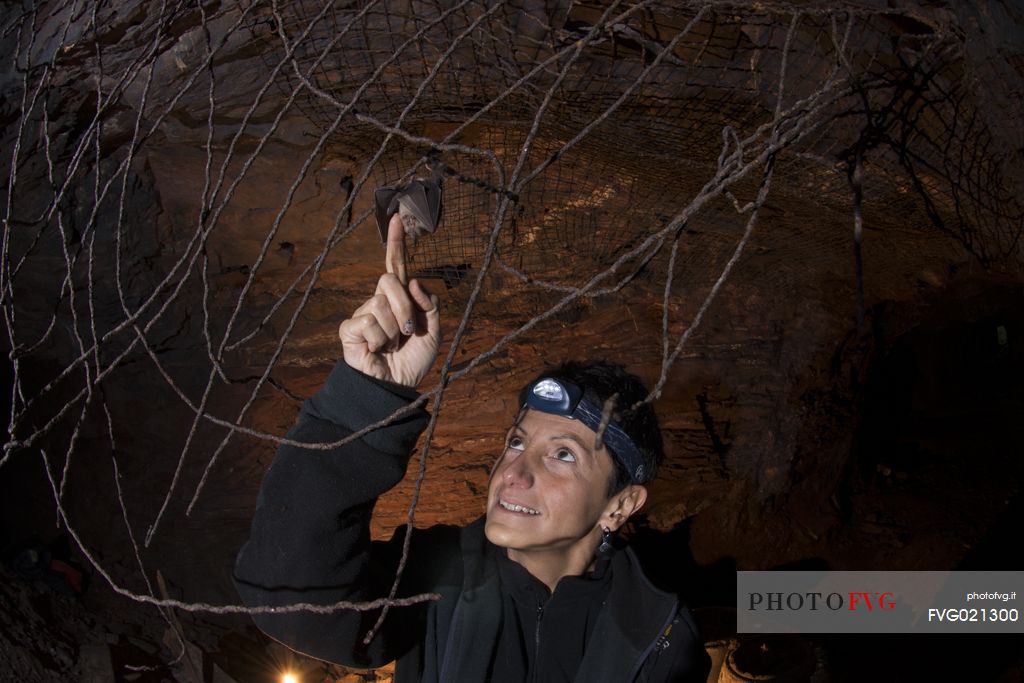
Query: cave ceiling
(725, 199)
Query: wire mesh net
(650, 88)
(579, 143)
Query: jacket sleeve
(309, 540)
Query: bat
(417, 203)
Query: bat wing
(420, 201)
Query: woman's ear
(623, 505)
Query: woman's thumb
(429, 304)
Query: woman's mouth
(515, 507)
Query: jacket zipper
(656, 644)
(536, 643)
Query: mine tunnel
(799, 225)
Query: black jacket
(310, 542)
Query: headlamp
(557, 396)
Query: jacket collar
(635, 617)
(637, 614)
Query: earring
(606, 541)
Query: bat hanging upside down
(418, 204)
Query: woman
(532, 591)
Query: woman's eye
(515, 443)
(565, 455)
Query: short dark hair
(602, 380)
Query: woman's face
(548, 490)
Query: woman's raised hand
(395, 334)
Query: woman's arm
(309, 540)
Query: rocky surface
(776, 451)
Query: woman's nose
(519, 472)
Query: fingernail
(409, 327)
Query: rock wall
(165, 257)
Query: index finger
(394, 260)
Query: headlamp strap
(560, 397)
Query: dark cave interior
(933, 482)
(842, 397)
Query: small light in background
(289, 677)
